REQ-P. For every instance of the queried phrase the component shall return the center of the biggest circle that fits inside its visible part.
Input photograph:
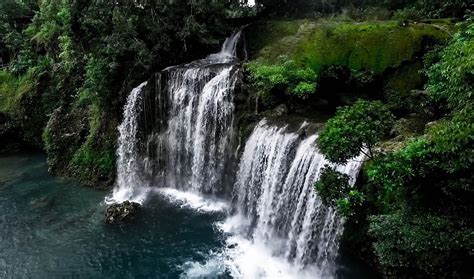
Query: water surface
(53, 228)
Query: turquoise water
(53, 228)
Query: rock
(10, 140)
(279, 111)
(121, 212)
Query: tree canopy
(355, 130)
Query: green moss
(370, 45)
(265, 33)
(12, 89)
(94, 161)
(89, 158)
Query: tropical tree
(355, 130)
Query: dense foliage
(332, 185)
(14, 18)
(355, 130)
(434, 244)
(334, 189)
(451, 79)
(424, 8)
(418, 197)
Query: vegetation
(337, 57)
(424, 8)
(11, 90)
(431, 243)
(334, 189)
(76, 61)
(332, 185)
(451, 81)
(355, 130)
(67, 67)
(286, 76)
(418, 198)
(368, 45)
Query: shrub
(332, 185)
(334, 190)
(286, 75)
(442, 8)
(451, 79)
(407, 14)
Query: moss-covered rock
(80, 142)
(369, 45)
(350, 60)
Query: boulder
(121, 212)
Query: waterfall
(276, 202)
(228, 51)
(199, 127)
(190, 146)
(178, 138)
(129, 181)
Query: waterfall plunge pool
(53, 228)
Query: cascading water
(199, 127)
(278, 209)
(280, 228)
(129, 163)
(193, 146)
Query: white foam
(193, 200)
(257, 258)
(140, 194)
(245, 258)
(213, 267)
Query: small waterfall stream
(129, 161)
(278, 227)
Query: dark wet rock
(121, 212)
(232, 246)
(279, 111)
(10, 140)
